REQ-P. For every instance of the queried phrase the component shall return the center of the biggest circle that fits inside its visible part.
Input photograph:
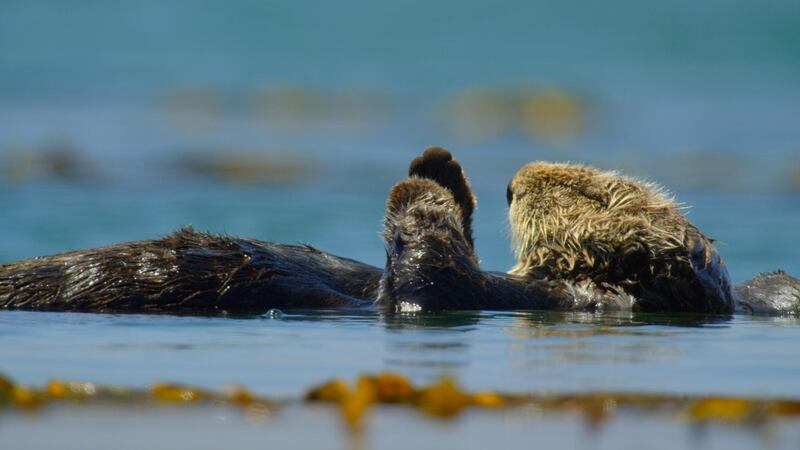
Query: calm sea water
(517, 352)
(702, 97)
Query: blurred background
(291, 120)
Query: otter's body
(585, 240)
(188, 272)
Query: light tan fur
(570, 221)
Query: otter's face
(524, 208)
(543, 200)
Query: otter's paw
(437, 164)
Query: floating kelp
(549, 114)
(444, 399)
(32, 398)
(243, 167)
(55, 161)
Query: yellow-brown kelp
(444, 399)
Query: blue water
(515, 352)
(703, 98)
(389, 428)
(512, 352)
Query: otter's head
(569, 220)
(429, 258)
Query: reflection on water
(456, 321)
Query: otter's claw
(437, 164)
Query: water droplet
(273, 314)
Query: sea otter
(585, 239)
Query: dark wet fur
(188, 272)
(769, 293)
(438, 164)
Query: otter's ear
(509, 194)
